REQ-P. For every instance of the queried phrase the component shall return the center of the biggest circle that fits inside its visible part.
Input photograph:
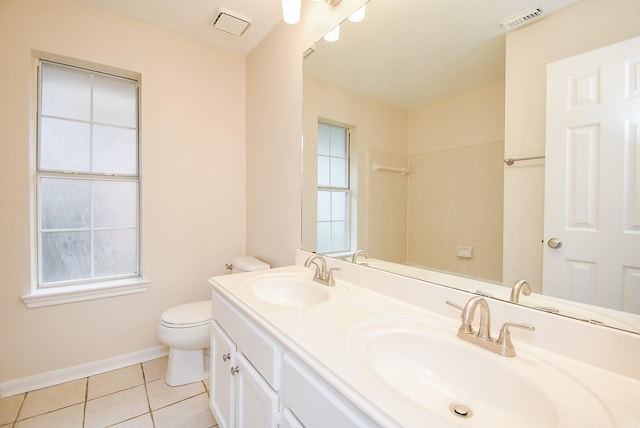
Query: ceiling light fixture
(358, 15)
(291, 11)
(333, 35)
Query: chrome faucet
(362, 251)
(321, 275)
(502, 345)
(466, 319)
(520, 286)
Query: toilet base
(185, 366)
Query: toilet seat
(189, 315)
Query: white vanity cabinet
(313, 403)
(245, 371)
(256, 382)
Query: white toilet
(186, 329)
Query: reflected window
(87, 177)
(334, 191)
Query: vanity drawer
(314, 402)
(261, 350)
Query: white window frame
(88, 289)
(348, 189)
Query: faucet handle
(504, 339)
(454, 304)
(330, 278)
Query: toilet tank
(247, 264)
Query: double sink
(419, 361)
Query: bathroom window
(334, 192)
(87, 177)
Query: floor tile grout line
(179, 401)
(86, 398)
(18, 419)
(146, 393)
(15, 420)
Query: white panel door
(592, 178)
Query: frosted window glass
(339, 206)
(114, 101)
(65, 145)
(88, 224)
(338, 141)
(66, 256)
(339, 235)
(115, 252)
(66, 92)
(114, 150)
(324, 206)
(323, 171)
(324, 238)
(65, 204)
(338, 173)
(115, 203)
(323, 139)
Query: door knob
(554, 243)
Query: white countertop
(323, 337)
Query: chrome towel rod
(510, 161)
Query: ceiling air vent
(522, 18)
(230, 22)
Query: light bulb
(291, 11)
(358, 15)
(333, 35)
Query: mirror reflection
(404, 146)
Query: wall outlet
(464, 252)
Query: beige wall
(379, 134)
(588, 25)
(466, 119)
(193, 179)
(274, 131)
(274, 121)
(455, 186)
(453, 195)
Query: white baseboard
(68, 374)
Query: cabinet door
(223, 352)
(289, 420)
(315, 403)
(257, 402)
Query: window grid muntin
(346, 189)
(86, 175)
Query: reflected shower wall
(387, 207)
(455, 198)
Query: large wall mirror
(404, 143)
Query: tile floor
(132, 397)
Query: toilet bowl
(186, 329)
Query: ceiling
(420, 50)
(193, 18)
(411, 52)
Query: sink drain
(461, 410)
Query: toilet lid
(195, 313)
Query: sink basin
(460, 384)
(288, 290)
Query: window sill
(79, 293)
